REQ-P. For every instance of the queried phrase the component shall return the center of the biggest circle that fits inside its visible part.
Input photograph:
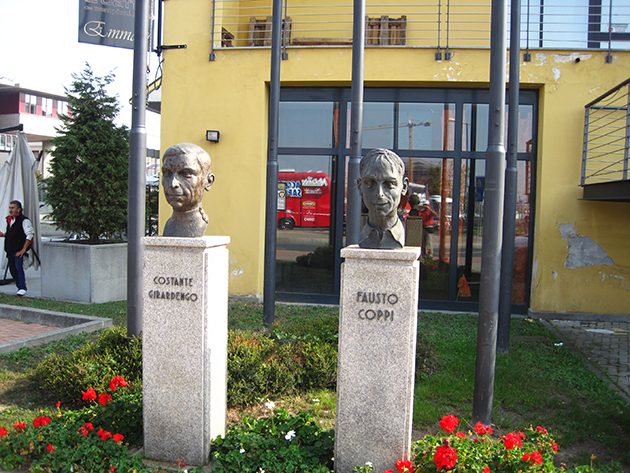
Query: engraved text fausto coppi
(377, 298)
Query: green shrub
(67, 377)
(260, 366)
(282, 442)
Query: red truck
(303, 199)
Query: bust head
(381, 185)
(186, 174)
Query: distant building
(37, 112)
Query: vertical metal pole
(213, 56)
(626, 148)
(269, 292)
(511, 183)
(137, 170)
(491, 249)
(585, 145)
(353, 219)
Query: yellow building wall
(231, 95)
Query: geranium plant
(72, 440)
(477, 450)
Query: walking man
(17, 240)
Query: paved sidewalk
(605, 346)
(13, 330)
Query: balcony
(442, 25)
(606, 144)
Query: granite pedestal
(185, 290)
(377, 346)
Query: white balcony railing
(607, 137)
(439, 24)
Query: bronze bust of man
(381, 184)
(186, 174)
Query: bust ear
(210, 182)
(405, 186)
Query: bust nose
(173, 182)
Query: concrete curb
(68, 323)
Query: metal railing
(7, 142)
(607, 137)
(439, 24)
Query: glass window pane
(378, 125)
(432, 180)
(426, 126)
(304, 255)
(306, 124)
(475, 127)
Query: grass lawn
(538, 383)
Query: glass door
(441, 135)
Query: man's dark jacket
(15, 237)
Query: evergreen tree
(88, 187)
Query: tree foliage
(88, 187)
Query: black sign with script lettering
(107, 22)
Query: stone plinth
(184, 359)
(377, 346)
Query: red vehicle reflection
(303, 199)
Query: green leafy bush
(260, 366)
(281, 443)
(67, 377)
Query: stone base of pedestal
(377, 345)
(184, 346)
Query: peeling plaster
(593, 90)
(542, 58)
(236, 271)
(562, 58)
(556, 73)
(554, 274)
(583, 251)
(606, 276)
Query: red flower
(489, 430)
(117, 381)
(41, 422)
(3, 432)
(58, 404)
(103, 399)
(50, 448)
(86, 428)
(104, 434)
(554, 446)
(486, 469)
(388, 471)
(521, 434)
(541, 430)
(449, 423)
(460, 435)
(89, 395)
(534, 457)
(511, 440)
(445, 457)
(19, 425)
(112, 468)
(404, 466)
(118, 438)
(480, 429)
